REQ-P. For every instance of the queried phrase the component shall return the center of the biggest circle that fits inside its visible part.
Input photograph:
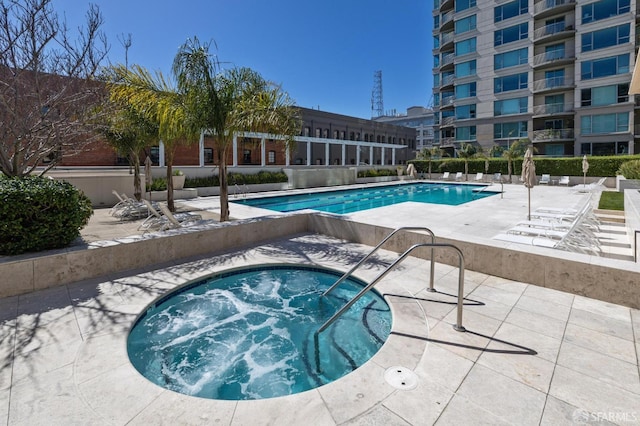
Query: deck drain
(401, 378)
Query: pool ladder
(243, 191)
(457, 326)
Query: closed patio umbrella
(585, 168)
(529, 175)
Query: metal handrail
(364, 259)
(457, 326)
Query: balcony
(548, 135)
(446, 40)
(445, 19)
(447, 80)
(447, 101)
(553, 32)
(553, 83)
(448, 121)
(552, 109)
(556, 57)
(446, 5)
(546, 8)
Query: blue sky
(324, 53)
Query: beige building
(556, 72)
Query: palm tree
(431, 154)
(515, 150)
(128, 133)
(466, 152)
(229, 103)
(153, 98)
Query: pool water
(249, 334)
(354, 200)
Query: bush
(40, 214)
(630, 169)
(376, 173)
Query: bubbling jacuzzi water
(249, 334)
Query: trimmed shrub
(376, 173)
(40, 214)
(630, 169)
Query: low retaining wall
(611, 280)
(632, 219)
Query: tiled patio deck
(531, 355)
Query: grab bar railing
(364, 259)
(457, 326)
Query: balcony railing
(448, 121)
(448, 80)
(548, 109)
(448, 100)
(553, 56)
(552, 135)
(552, 83)
(447, 59)
(446, 18)
(544, 5)
(446, 38)
(551, 29)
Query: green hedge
(40, 214)
(376, 173)
(160, 184)
(598, 166)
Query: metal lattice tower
(377, 105)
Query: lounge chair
(497, 177)
(592, 187)
(564, 180)
(479, 177)
(161, 222)
(545, 179)
(458, 176)
(445, 176)
(128, 208)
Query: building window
(466, 24)
(436, 42)
(246, 156)
(307, 131)
(271, 157)
(510, 82)
(465, 69)
(154, 154)
(318, 132)
(604, 9)
(604, 123)
(605, 37)
(465, 47)
(466, 111)
(509, 10)
(554, 52)
(605, 148)
(466, 90)
(605, 95)
(511, 34)
(604, 67)
(208, 156)
(511, 59)
(514, 130)
(466, 134)
(510, 106)
(464, 5)
(554, 78)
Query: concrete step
(612, 216)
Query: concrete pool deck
(531, 355)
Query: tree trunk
(509, 169)
(169, 158)
(429, 169)
(466, 170)
(224, 186)
(137, 190)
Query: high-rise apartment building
(555, 72)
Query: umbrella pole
(529, 217)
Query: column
(371, 155)
(327, 160)
(161, 154)
(201, 150)
(393, 156)
(344, 153)
(263, 150)
(287, 157)
(358, 154)
(308, 153)
(382, 156)
(234, 147)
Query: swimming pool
(249, 333)
(354, 200)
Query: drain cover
(401, 378)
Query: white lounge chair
(545, 179)
(458, 176)
(479, 177)
(128, 208)
(497, 177)
(161, 222)
(564, 180)
(592, 187)
(445, 176)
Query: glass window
(605, 37)
(511, 34)
(466, 133)
(208, 155)
(466, 46)
(464, 4)
(605, 95)
(154, 154)
(604, 67)
(515, 130)
(510, 106)
(271, 157)
(436, 21)
(465, 24)
(554, 78)
(604, 123)
(554, 104)
(466, 111)
(510, 82)
(436, 42)
(509, 10)
(604, 9)
(466, 68)
(436, 61)
(554, 52)
(466, 90)
(511, 59)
